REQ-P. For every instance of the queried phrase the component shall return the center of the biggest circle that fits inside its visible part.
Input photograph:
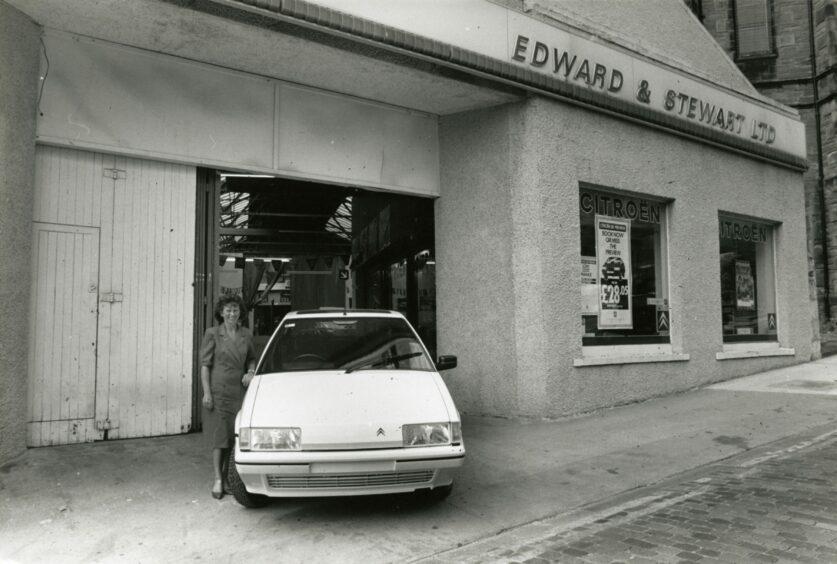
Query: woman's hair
(227, 299)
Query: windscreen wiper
(383, 362)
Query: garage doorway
(286, 244)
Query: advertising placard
(613, 252)
(589, 286)
(744, 286)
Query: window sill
(628, 354)
(753, 350)
(756, 56)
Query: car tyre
(238, 490)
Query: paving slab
(771, 504)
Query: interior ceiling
(272, 217)
(214, 33)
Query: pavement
(527, 486)
(773, 504)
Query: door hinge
(115, 173)
(106, 425)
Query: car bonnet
(362, 409)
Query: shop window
(748, 290)
(624, 286)
(753, 28)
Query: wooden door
(63, 324)
(143, 215)
(147, 305)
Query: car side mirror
(446, 362)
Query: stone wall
(825, 18)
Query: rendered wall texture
(510, 186)
(19, 66)
(475, 316)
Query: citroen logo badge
(381, 432)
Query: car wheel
(238, 490)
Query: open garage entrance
(288, 244)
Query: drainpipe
(820, 173)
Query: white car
(346, 403)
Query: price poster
(589, 286)
(745, 286)
(613, 253)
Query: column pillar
(19, 79)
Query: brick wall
(718, 18)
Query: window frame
(770, 52)
(765, 338)
(591, 343)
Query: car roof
(332, 312)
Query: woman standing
(228, 362)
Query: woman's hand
(207, 401)
(248, 376)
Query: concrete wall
(19, 66)
(507, 222)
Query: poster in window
(589, 286)
(745, 286)
(613, 253)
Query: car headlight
(426, 434)
(277, 438)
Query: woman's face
(230, 313)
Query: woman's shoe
(217, 490)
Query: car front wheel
(238, 490)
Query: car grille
(348, 480)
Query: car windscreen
(344, 343)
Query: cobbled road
(776, 505)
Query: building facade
(788, 50)
(588, 208)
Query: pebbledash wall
(509, 262)
(18, 91)
(507, 178)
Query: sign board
(613, 254)
(509, 36)
(663, 321)
(589, 286)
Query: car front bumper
(343, 473)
